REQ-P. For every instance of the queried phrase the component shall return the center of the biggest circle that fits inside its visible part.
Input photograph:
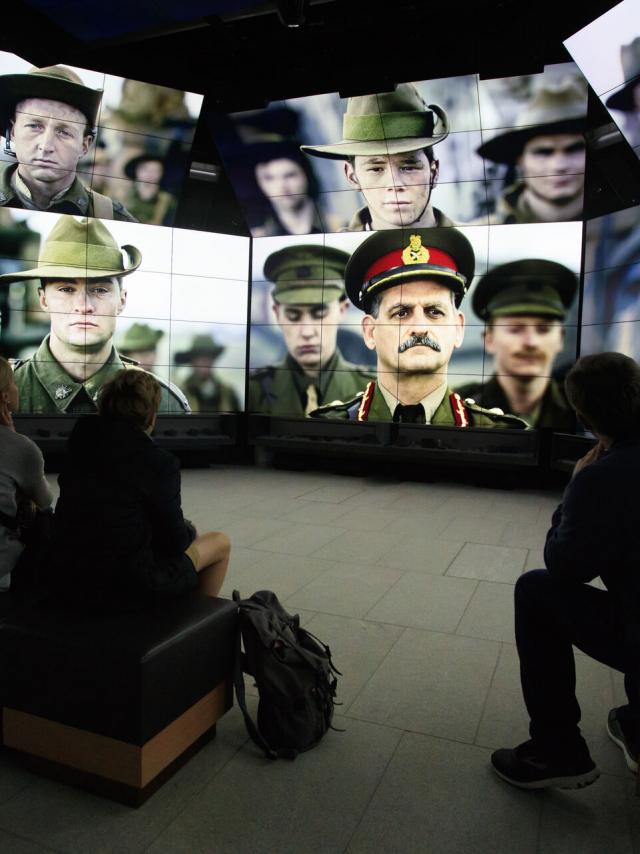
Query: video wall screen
(84, 143)
(514, 332)
(608, 53)
(611, 303)
(81, 298)
(436, 152)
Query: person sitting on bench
(120, 541)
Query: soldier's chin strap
(7, 143)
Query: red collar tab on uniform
(460, 414)
(365, 403)
(391, 260)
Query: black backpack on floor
(293, 672)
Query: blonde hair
(133, 395)
(6, 374)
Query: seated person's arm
(33, 485)
(171, 533)
(582, 540)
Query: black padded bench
(116, 704)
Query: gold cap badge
(415, 252)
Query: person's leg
(211, 561)
(550, 617)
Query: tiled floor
(411, 584)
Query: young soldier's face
(553, 166)
(310, 331)
(396, 187)
(524, 345)
(417, 329)
(83, 312)
(49, 138)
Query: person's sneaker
(620, 734)
(525, 766)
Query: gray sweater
(21, 476)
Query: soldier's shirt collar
(302, 380)
(429, 403)
(75, 193)
(63, 388)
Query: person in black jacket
(594, 533)
(120, 540)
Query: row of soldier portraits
(466, 326)
(431, 153)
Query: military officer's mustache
(419, 341)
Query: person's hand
(590, 457)
(6, 418)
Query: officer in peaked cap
(81, 270)
(205, 391)
(410, 284)
(524, 305)
(309, 302)
(547, 149)
(48, 117)
(388, 153)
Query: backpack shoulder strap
(102, 205)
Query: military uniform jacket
(554, 412)
(223, 398)
(370, 405)
(511, 209)
(361, 220)
(47, 389)
(274, 390)
(77, 200)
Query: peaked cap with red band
(391, 257)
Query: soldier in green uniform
(524, 304)
(309, 302)
(410, 286)
(204, 390)
(80, 269)
(547, 151)
(140, 344)
(48, 118)
(388, 153)
(145, 200)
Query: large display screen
(435, 152)
(608, 53)
(311, 346)
(81, 298)
(90, 144)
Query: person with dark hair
(388, 153)
(146, 199)
(593, 534)
(120, 541)
(48, 117)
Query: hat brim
(527, 308)
(507, 147)
(18, 87)
(309, 296)
(132, 165)
(72, 271)
(186, 356)
(352, 148)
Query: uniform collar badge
(62, 392)
(415, 252)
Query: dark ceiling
(242, 55)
